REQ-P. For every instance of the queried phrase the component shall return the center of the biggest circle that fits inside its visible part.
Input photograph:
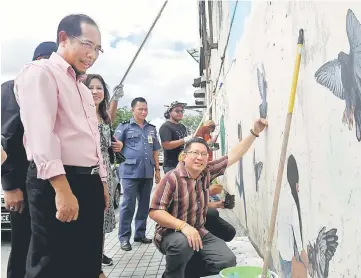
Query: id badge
(150, 139)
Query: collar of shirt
(132, 121)
(66, 67)
(184, 174)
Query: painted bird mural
(262, 87)
(321, 253)
(342, 76)
(257, 169)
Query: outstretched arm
(242, 147)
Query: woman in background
(100, 93)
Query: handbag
(114, 157)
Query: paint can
(245, 272)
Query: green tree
(123, 114)
(191, 122)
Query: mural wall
(318, 232)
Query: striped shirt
(186, 198)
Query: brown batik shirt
(186, 198)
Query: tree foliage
(123, 114)
(191, 121)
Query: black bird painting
(262, 87)
(321, 253)
(257, 169)
(342, 76)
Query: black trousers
(60, 249)
(183, 262)
(218, 226)
(20, 239)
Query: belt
(80, 170)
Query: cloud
(163, 72)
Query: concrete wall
(324, 155)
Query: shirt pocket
(129, 165)
(132, 138)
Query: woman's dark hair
(293, 179)
(200, 140)
(103, 106)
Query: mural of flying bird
(262, 87)
(321, 253)
(257, 169)
(342, 76)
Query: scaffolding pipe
(144, 41)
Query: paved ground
(145, 260)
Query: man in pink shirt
(66, 180)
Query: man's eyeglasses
(179, 111)
(88, 45)
(196, 154)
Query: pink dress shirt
(59, 118)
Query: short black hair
(136, 100)
(71, 24)
(200, 140)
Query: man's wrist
(255, 134)
(60, 183)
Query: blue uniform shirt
(138, 147)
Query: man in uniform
(13, 171)
(140, 147)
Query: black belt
(80, 170)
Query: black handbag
(114, 157)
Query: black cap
(45, 49)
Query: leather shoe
(143, 240)
(125, 245)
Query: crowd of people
(59, 147)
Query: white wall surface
(327, 153)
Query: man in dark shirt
(173, 135)
(14, 169)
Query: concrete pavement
(145, 260)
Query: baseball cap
(45, 49)
(176, 103)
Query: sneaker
(107, 261)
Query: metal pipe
(210, 16)
(144, 41)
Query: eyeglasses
(88, 45)
(179, 111)
(196, 154)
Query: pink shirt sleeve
(37, 95)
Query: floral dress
(105, 143)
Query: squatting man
(179, 206)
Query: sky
(163, 71)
